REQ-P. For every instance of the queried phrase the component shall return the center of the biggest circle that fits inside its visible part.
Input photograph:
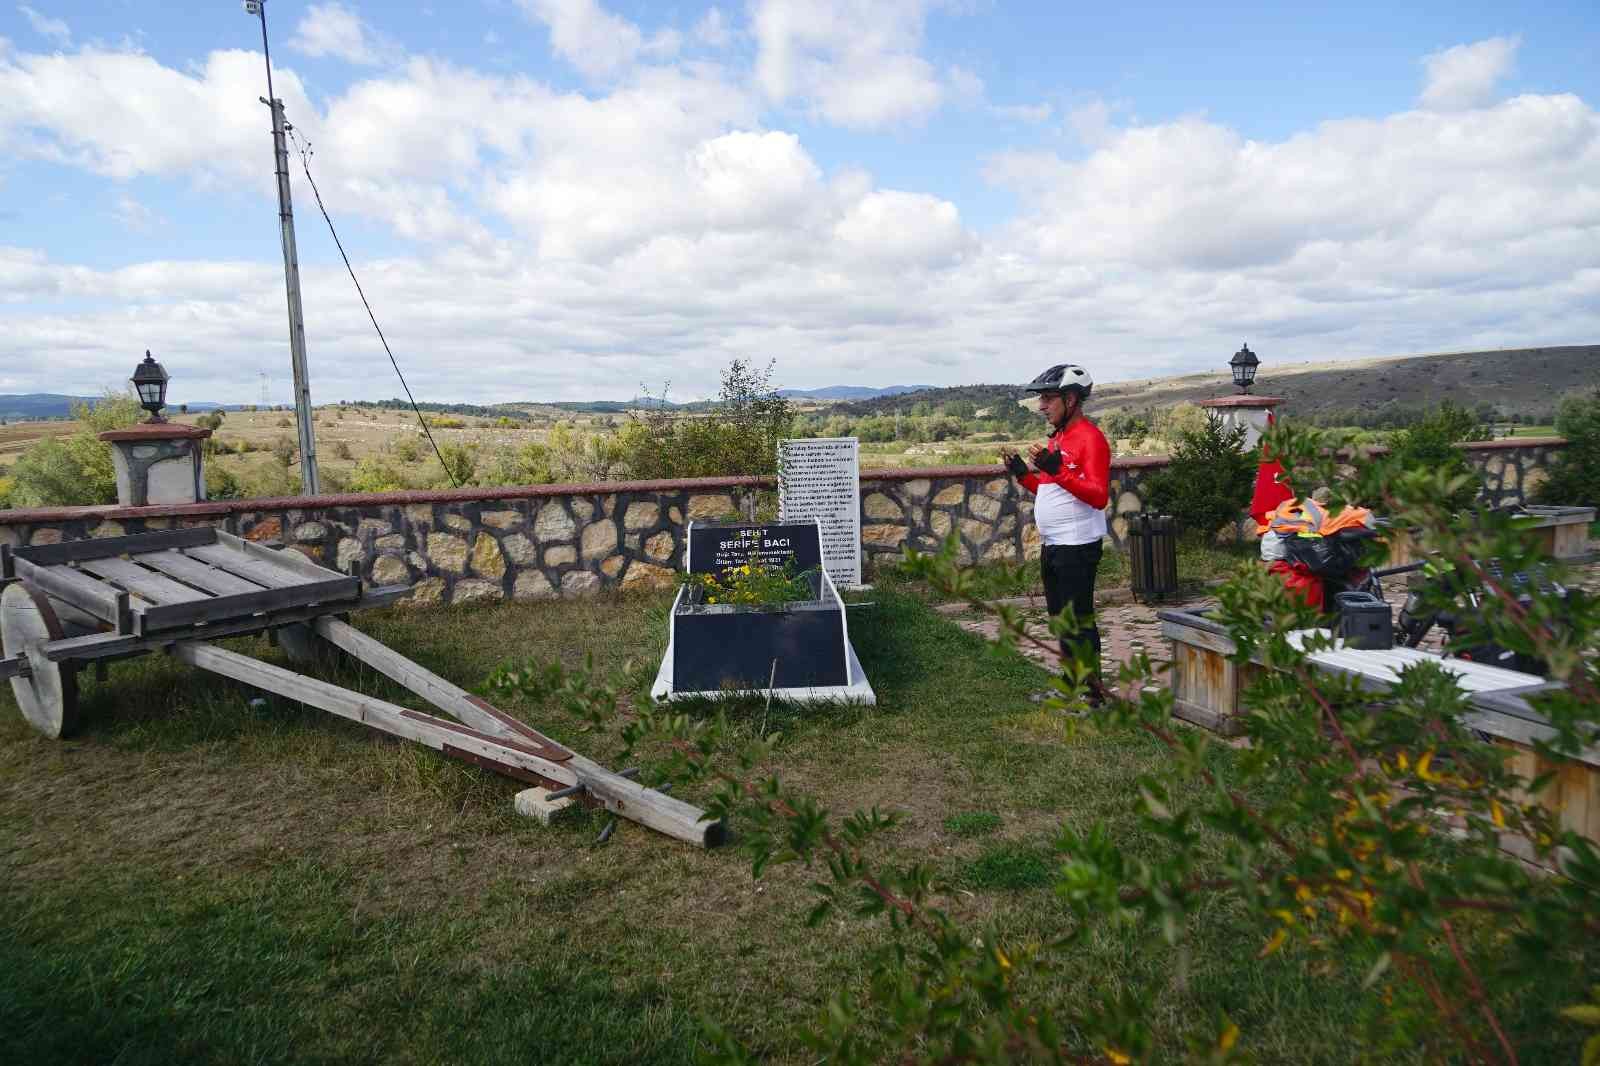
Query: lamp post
(150, 380)
(1244, 363)
(1252, 412)
(309, 482)
(156, 461)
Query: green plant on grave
(1359, 834)
(752, 585)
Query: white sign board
(821, 479)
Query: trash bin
(1153, 555)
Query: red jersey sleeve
(1086, 473)
(1086, 469)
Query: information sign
(821, 479)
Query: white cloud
(1032, 114)
(55, 29)
(135, 216)
(1091, 122)
(854, 62)
(712, 29)
(965, 86)
(573, 244)
(334, 30)
(1465, 76)
(592, 39)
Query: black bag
(1325, 557)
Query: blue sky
(562, 199)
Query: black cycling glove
(1049, 462)
(1017, 467)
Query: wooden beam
(241, 565)
(335, 592)
(286, 558)
(430, 686)
(613, 791)
(80, 590)
(103, 547)
(102, 646)
(146, 584)
(200, 575)
(634, 802)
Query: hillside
(1518, 381)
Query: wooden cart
(66, 606)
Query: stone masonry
(545, 541)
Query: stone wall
(1512, 470)
(543, 541)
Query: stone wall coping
(1514, 442)
(223, 508)
(156, 431)
(1247, 400)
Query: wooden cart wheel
(48, 696)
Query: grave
(798, 651)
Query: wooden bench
(1557, 532)
(1206, 687)
(1206, 681)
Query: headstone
(715, 547)
(821, 479)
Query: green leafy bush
(739, 436)
(75, 471)
(374, 474)
(1574, 476)
(222, 484)
(1429, 444)
(1207, 484)
(530, 464)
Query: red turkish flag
(1271, 487)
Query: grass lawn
(196, 879)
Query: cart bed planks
(177, 590)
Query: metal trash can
(1153, 555)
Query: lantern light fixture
(150, 379)
(1244, 363)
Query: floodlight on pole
(310, 483)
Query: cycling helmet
(1064, 377)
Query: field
(203, 878)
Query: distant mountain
(32, 405)
(849, 392)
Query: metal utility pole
(309, 482)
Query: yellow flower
(1275, 943)
(1119, 1057)
(1498, 815)
(1230, 1037)
(1422, 768)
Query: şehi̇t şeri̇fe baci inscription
(821, 479)
(716, 549)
